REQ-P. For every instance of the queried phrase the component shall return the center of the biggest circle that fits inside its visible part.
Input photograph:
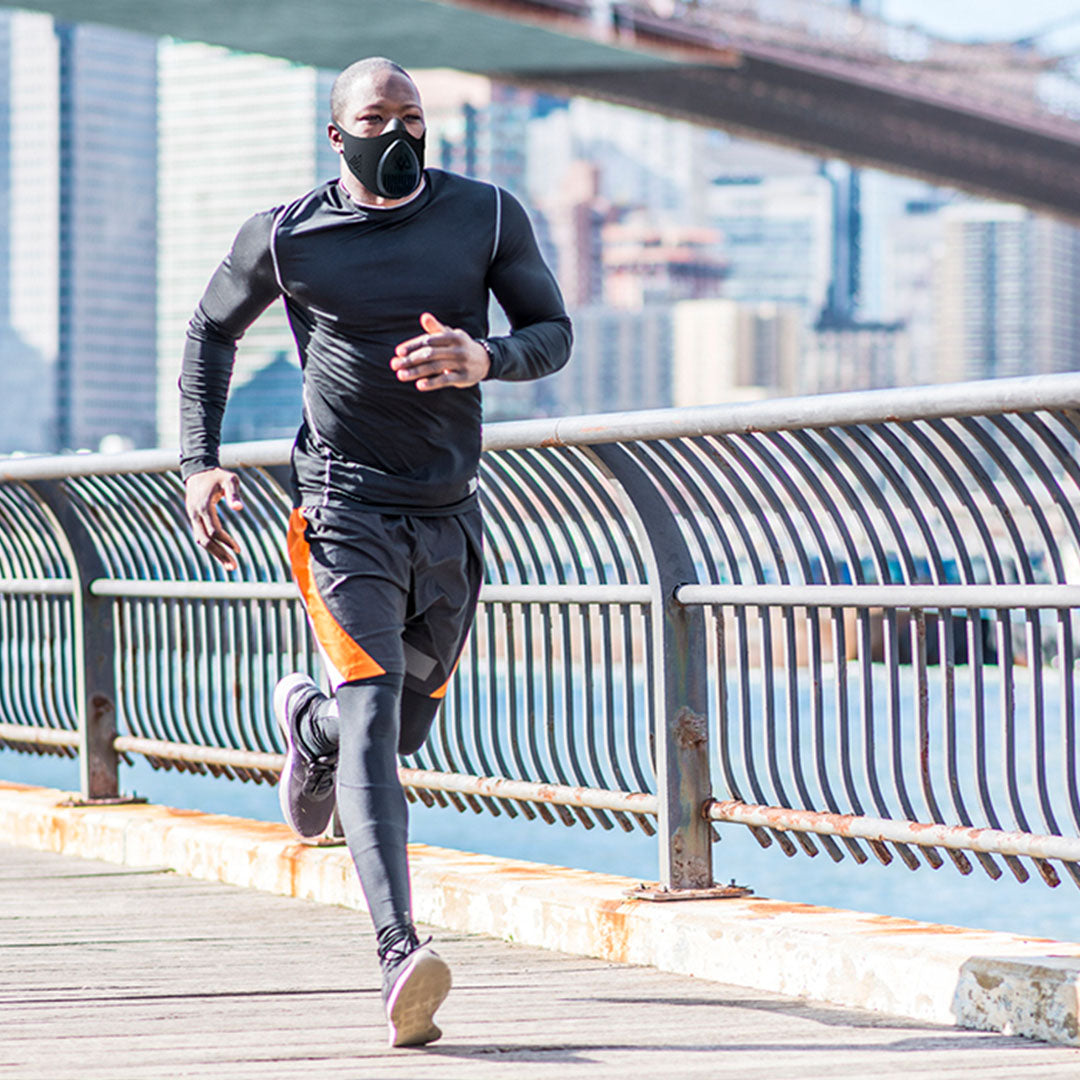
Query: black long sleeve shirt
(355, 281)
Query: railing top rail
(983, 398)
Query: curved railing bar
(165, 492)
(704, 457)
(949, 437)
(742, 467)
(812, 453)
(708, 456)
(573, 481)
(929, 446)
(731, 460)
(1039, 470)
(28, 561)
(811, 444)
(856, 450)
(502, 482)
(864, 439)
(1068, 464)
(25, 615)
(551, 504)
(671, 454)
(612, 516)
(762, 448)
(758, 448)
(656, 462)
(693, 455)
(577, 511)
(512, 472)
(932, 493)
(160, 553)
(91, 495)
(586, 497)
(489, 616)
(974, 428)
(847, 454)
(500, 491)
(496, 565)
(899, 449)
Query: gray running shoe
(306, 787)
(416, 980)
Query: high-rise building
(571, 223)
(29, 248)
(645, 161)
(842, 354)
(478, 127)
(621, 360)
(1007, 292)
(889, 204)
(77, 234)
(778, 238)
(645, 262)
(912, 246)
(724, 350)
(217, 167)
(107, 161)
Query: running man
(386, 273)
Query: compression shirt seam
(498, 223)
(273, 252)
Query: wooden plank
(131, 975)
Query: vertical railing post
(94, 651)
(681, 689)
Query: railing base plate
(716, 892)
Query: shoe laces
(401, 944)
(320, 775)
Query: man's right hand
(203, 492)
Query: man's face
(376, 100)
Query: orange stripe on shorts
(351, 661)
(441, 692)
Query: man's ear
(335, 137)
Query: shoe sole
(420, 990)
(281, 713)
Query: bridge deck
(111, 972)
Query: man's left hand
(441, 356)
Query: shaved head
(343, 86)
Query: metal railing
(846, 622)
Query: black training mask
(390, 164)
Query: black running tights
(374, 721)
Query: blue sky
(968, 19)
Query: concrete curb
(940, 974)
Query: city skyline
(635, 211)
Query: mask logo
(390, 164)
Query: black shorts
(388, 593)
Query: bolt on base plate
(716, 892)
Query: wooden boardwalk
(117, 974)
